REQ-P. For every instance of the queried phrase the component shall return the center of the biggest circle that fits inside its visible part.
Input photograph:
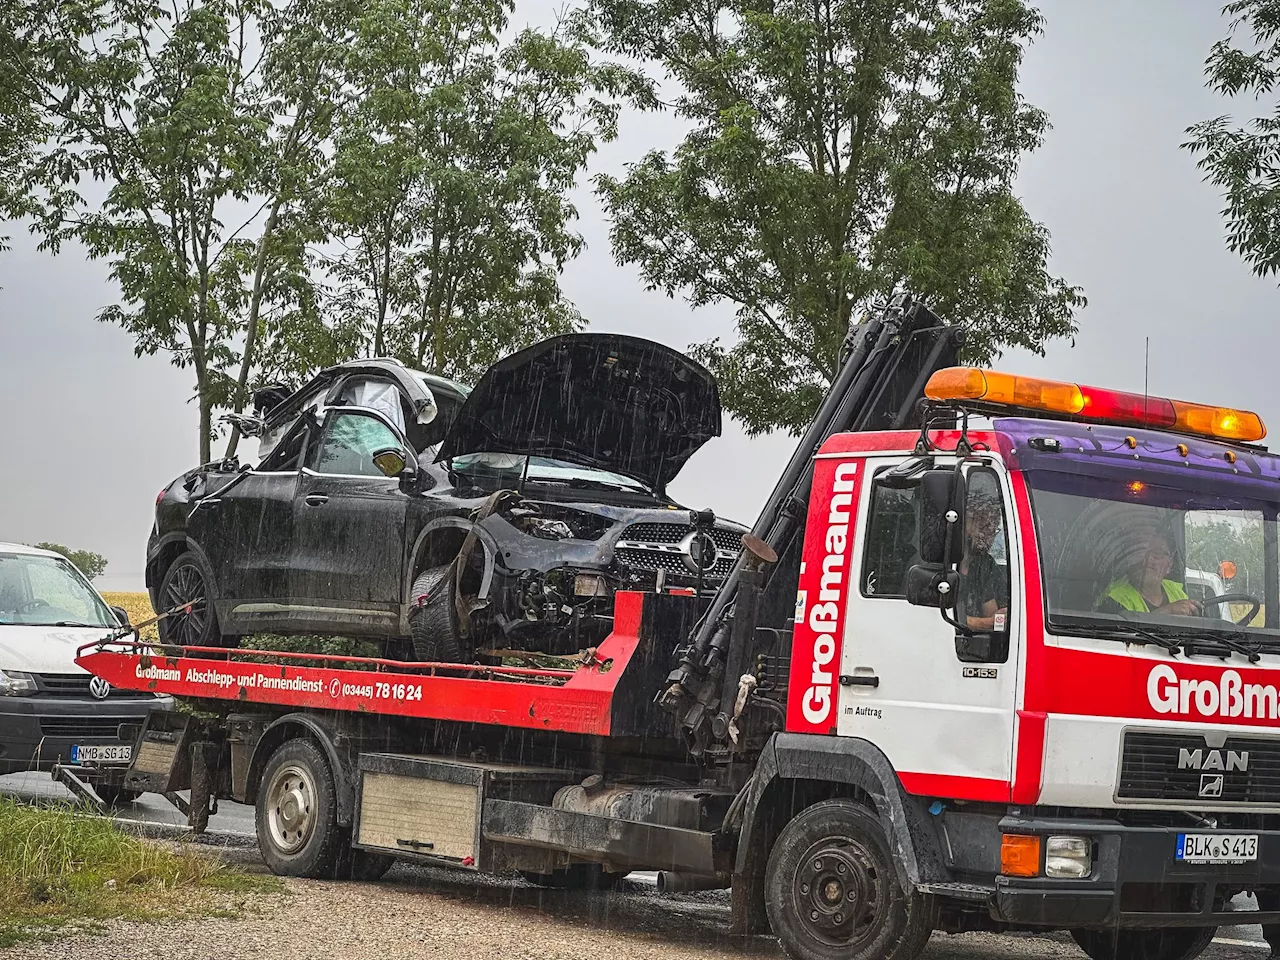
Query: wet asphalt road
(234, 823)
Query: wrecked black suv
(389, 503)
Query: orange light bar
(1094, 403)
(1019, 855)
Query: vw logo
(99, 688)
(700, 552)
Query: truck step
(976, 892)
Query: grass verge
(63, 871)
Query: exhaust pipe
(674, 881)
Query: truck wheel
(1173, 943)
(183, 582)
(436, 635)
(296, 813)
(832, 893)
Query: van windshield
(1123, 554)
(48, 591)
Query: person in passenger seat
(979, 595)
(1146, 587)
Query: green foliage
(1244, 160)
(166, 126)
(60, 867)
(87, 562)
(452, 169)
(1211, 542)
(840, 151)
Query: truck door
(941, 708)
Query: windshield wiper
(1130, 633)
(70, 623)
(1230, 643)
(585, 484)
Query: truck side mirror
(928, 585)
(940, 499)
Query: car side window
(892, 540)
(350, 440)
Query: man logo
(99, 688)
(1226, 760)
(1211, 785)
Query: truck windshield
(1120, 554)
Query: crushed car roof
(609, 401)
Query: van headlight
(1068, 858)
(16, 684)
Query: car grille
(74, 685)
(85, 728)
(653, 546)
(1185, 768)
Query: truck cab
(1008, 614)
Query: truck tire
(437, 637)
(186, 580)
(296, 813)
(1171, 943)
(832, 892)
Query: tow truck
(915, 704)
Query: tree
(91, 564)
(191, 116)
(840, 151)
(451, 178)
(1244, 161)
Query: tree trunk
(251, 329)
(206, 422)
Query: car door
(350, 526)
(247, 532)
(941, 708)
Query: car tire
(1170, 943)
(296, 813)
(115, 796)
(186, 580)
(433, 616)
(832, 891)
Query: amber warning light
(1093, 403)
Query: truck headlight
(16, 684)
(1068, 858)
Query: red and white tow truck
(926, 698)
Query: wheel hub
(290, 808)
(841, 892)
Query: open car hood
(601, 400)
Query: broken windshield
(1121, 554)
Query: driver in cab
(1146, 587)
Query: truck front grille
(1183, 767)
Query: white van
(51, 709)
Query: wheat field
(139, 607)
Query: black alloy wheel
(185, 583)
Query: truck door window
(982, 601)
(892, 541)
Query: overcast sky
(90, 433)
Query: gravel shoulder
(422, 913)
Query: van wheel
(185, 582)
(1172, 943)
(437, 637)
(832, 892)
(296, 813)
